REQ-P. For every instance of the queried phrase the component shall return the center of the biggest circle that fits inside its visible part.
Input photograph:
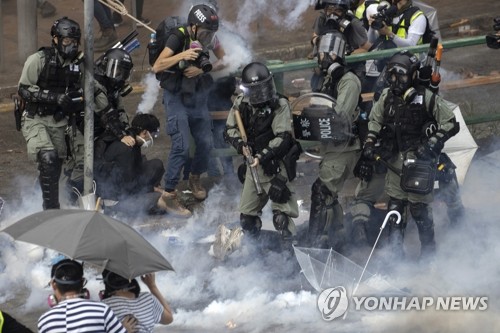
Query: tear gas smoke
(150, 95)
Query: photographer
(390, 25)
(186, 85)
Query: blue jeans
(181, 122)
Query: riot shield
(316, 120)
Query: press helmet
(65, 27)
(258, 83)
(116, 66)
(204, 16)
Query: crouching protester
(71, 310)
(126, 180)
(401, 118)
(125, 298)
(259, 127)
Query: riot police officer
(266, 119)
(337, 17)
(50, 80)
(342, 150)
(111, 122)
(401, 118)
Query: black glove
(269, 164)
(430, 149)
(239, 147)
(64, 101)
(364, 169)
(279, 192)
(369, 150)
(424, 73)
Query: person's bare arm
(149, 281)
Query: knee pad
(280, 220)
(399, 206)
(361, 210)
(250, 223)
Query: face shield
(260, 92)
(331, 49)
(118, 72)
(206, 37)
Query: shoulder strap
(407, 15)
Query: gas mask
(331, 53)
(400, 82)
(67, 47)
(146, 143)
(52, 300)
(206, 38)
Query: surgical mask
(146, 143)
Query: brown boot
(106, 41)
(194, 185)
(169, 202)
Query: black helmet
(401, 71)
(116, 66)
(204, 16)
(258, 83)
(321, 4)
(331, 44)
(65, 27)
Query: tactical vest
(55, 78)
(404, 123)
(258, 125)
(401, 30)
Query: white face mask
(146, 143)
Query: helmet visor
(260, 92)
(118, 70)
(332, 44)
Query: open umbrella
(92, 237)
(326, 268)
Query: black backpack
(428, 34)
(169, 25)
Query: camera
(202, 61)
(385, 14)
(493, 40)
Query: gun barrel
(255, 175)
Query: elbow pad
(41, 96)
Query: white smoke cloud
(256, 291)
(150, 95)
